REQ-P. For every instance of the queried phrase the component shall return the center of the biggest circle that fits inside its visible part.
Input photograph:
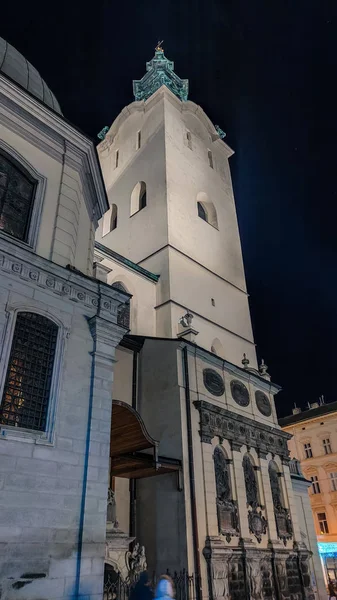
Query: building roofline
(126, 262)
(309, 414)
(246, 374)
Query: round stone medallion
(213, 382)
(239, 392)
(263, 403)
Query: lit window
(327, 446)
(16, 198)
(116, 159)
(210, 159)
(323, 523)
(315, 485)
(307, 450)
(29, 373)
(333, 481)
(189, 139)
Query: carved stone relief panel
(213, 382)
(239, 393)
(241, 430)
(227, 509)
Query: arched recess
(282, 514)
(217, 347)
(110, 220)
(207, 210)
(123, 315)
(113, 218)
(226, 507)
(138, 197)
(251, 483)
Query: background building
(314, 444)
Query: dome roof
(17, 67)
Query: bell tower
(172, 211)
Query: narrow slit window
(116, 159)
(139, 139)
(210, 159)
(189, 139)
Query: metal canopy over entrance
(133, 452)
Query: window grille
(16, 198)
(29, 373)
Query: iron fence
(117, 589)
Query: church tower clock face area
(186, 231)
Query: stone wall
(53, 488)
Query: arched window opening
(282, 515)
(226, 506)
(206, 210)
(17, 190)
(113, 218)
(28, 380)
(201, 212)
(138, 197)
(123, 314)
(252, 493)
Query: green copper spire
(160, 71)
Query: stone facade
(53, 476)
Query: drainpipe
(133, 483)
(195, 534)
(86, 460)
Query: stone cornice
(234, 370)
(24, 265)
(216, 421)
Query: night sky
(265, 72)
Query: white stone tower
(172, 211)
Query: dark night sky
(265, 71)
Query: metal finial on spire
(245, 361)
(159, 47)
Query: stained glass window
(16, 198)
(29, 373)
